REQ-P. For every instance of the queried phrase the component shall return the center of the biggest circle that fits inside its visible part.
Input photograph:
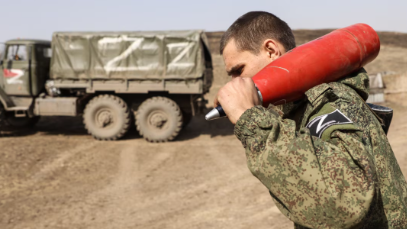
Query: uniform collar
(314, 93)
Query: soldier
(342, 176)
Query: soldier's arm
(317, 183)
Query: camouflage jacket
(340, 172)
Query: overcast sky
(40, 18)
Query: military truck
(153, 80)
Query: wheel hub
(104, 118)
(158, 119)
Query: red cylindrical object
(322, 60)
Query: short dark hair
(250, 30)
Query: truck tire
(9, 122)
(159, 119)
(2, 116)
(107, 117)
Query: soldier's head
(253, 41)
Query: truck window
(17, 52)
(43, 52)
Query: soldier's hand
(236, 97)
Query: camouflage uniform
(347, 177)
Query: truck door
(15, 69)
(40, 66)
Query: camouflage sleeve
(316, 183)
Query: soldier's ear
(271, 48)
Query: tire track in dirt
(59, 161)
(123, 198)
(195, 214)
(50, 168)
(107, 202)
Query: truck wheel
(2, 116)
(9, 122)
(107, 117)
(159, 119)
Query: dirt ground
(57, 176)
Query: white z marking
(13, 76)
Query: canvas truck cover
(128, 55)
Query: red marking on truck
(10, 73)
(13, 75)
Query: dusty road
(57, 176)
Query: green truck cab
(153, 80)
